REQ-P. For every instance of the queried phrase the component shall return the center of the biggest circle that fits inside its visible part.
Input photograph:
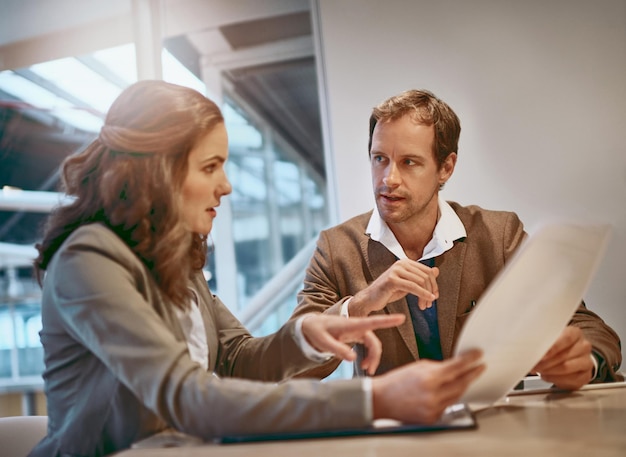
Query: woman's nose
(227, 187)
(224, 187)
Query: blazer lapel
(378, 259)
(451, 263)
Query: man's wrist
(307, 349)
(355, 306)
(601, 370)
(344, 308)
(594, 371)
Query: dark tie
(425, 326)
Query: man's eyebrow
(417, 158)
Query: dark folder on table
(456, 417)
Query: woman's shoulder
(95, 233)
(97, 237)
(94, 228)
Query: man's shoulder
(356, 223)
(476, 210)
(475, 215)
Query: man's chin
(392, 212)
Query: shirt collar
(449, 228)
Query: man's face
(405, 174)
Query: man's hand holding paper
(568, 364)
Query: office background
(540, 87)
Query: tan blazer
(118, 368)
(346, 261)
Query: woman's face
(206, 182)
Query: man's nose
(392, 176)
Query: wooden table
(586, 423)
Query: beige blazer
(346, 261)
(118, 368)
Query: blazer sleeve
(273, 357)
(606, 344)
(98, 289)
(320, 295)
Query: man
(430, 259)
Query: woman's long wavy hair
(130, 179)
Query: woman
(131, 333)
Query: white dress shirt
(448, 229)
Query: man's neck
(447, 230)
(415, 233)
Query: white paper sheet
(523, 311)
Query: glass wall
(278, 203)
(21, 354)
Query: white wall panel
(539, 85)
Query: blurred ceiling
(260, 50)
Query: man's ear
(447, 168)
